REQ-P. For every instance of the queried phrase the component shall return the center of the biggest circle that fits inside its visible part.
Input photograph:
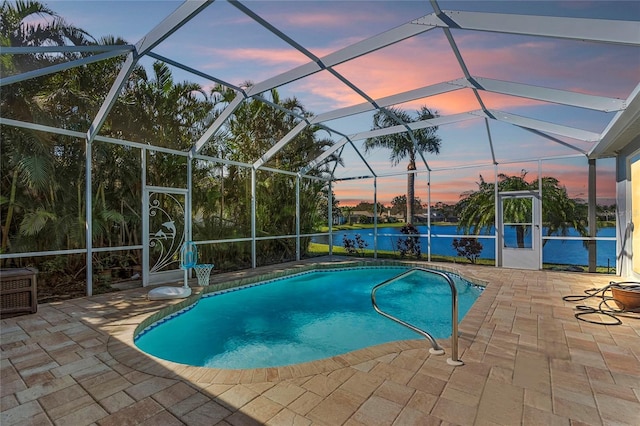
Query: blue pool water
(305, 317)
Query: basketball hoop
(203, 272)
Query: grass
(356, 226)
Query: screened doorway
(519, 242)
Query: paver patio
(528, 360)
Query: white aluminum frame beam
(556, 140)
(23, 50)
(315, 59)
(621, 129)
(183, 14)
(194, 71)
(399, 98)
(563, 97)
(493, 154)
(353, 51)
(447, 119)
(583, 29)
(544, 126)
(61, 67)
(458, 54)
(218, 122)
(281, 143)
(319, 159)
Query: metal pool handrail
(436, 348)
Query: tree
(346, 211)
(29, 157)
(365, 206)
(323, 206)
(402, 145)
(399, 205)
(476, 209)
(253, 129)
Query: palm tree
(28, 159)
(476, 209)
(402, 146)
(18, 29)
(252, 129)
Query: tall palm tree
(402, 146)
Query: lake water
(571, 252)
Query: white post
(498, 228)
(330, 197)
(88, 215)
(429, 215)
(375, 217)
(253, 218)
(145, 219)
(298, 217)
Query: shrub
(409, 245)
(353, 246)
(468, 247)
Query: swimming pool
(304, 317)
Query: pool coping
(122, 347)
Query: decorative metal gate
(164, 233)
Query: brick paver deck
(528, 360)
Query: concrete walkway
(528, 360)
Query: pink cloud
(425, 60)
(272, 57)
(323, 19)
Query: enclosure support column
(375, 217)
(330, 198)
(592, 215)
(145, 219)
(187, 206)
(497, 220)
(88, 215)
(298, 217)
(429, 215)
(539, 214)
(253, 218)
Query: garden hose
(604, 308)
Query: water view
(569, 252)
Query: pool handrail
(436, 349)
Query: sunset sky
(224, 42)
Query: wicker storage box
(19, 293)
